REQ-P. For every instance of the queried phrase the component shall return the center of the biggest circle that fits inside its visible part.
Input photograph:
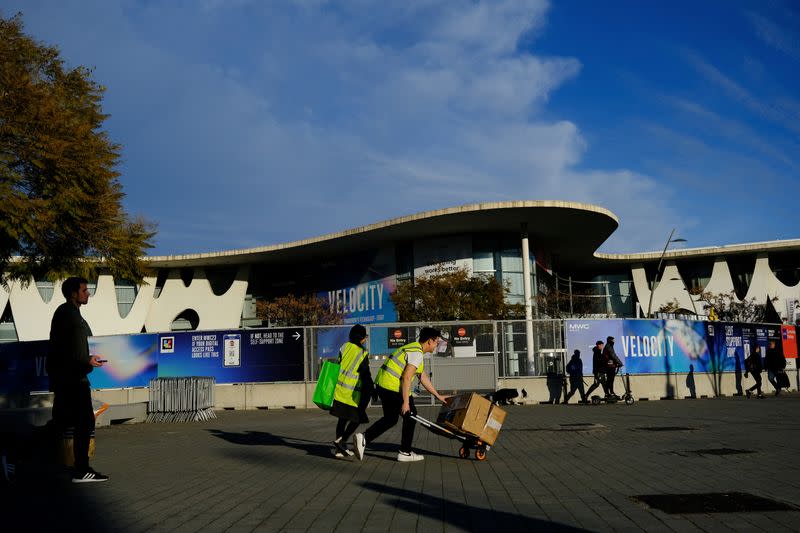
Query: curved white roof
(569, 229)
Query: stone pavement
(274, 471)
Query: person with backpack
(575, 372)
(754, 366)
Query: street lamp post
(658, 269)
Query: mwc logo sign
(579, 327)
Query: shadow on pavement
(263, 438)
(320, 449)
(41, 496)
(466, 517)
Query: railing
(498, 344)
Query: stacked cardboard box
(473, 414)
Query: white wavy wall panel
(215, 312)
(763, 283)
(102, 312)
(721, 281)
(32, 315)
(3, 298)
(670, 287)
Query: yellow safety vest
(348, 388)
(392, 369)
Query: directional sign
(240, 356)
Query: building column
(526, 284)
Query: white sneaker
(340, 449)
(409, 457)
(359, 444)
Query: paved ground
(274, 471)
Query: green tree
(453, 296)
(673, 307)
(729, 308)
(291, 310)
(60, 200)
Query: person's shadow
(263, 438)
(690, 384)
(459, 515)
(738, 372)
(319, 449)
(555, 386)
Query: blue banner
(666, 346)
(233, 356)
(132, 360)
(22, 367)
(583, 334)
(248, 356)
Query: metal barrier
(499, 350)
(181, 399)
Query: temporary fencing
(189, 399)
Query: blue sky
(246, 123)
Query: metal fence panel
(548, 348)
(500, 350)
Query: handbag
(782, 379)
(326, 385)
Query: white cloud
(774, 35)
(764, 108)
(423, 106)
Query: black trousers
(610, 375)
(575, 384)
(599, 379)
(72, 408)
(757, 378)
(392, 402)
(345, 429)
(772, 376)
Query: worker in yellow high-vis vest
(353, 389)
(393, 384)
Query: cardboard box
(472, 413)
(493, 424)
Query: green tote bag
(328, 377)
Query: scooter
(627, 397)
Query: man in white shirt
(393, 386)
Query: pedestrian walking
(68, 364)
(612, 365)
(353, 390)
(775, 363)
(598, 369)
(394, 389)
(754, 366)
(575, 372)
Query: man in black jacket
(598, 369)
(575, 371)
(68, 364)
(612, 364)
(775, 362)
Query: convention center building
(534, 247)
